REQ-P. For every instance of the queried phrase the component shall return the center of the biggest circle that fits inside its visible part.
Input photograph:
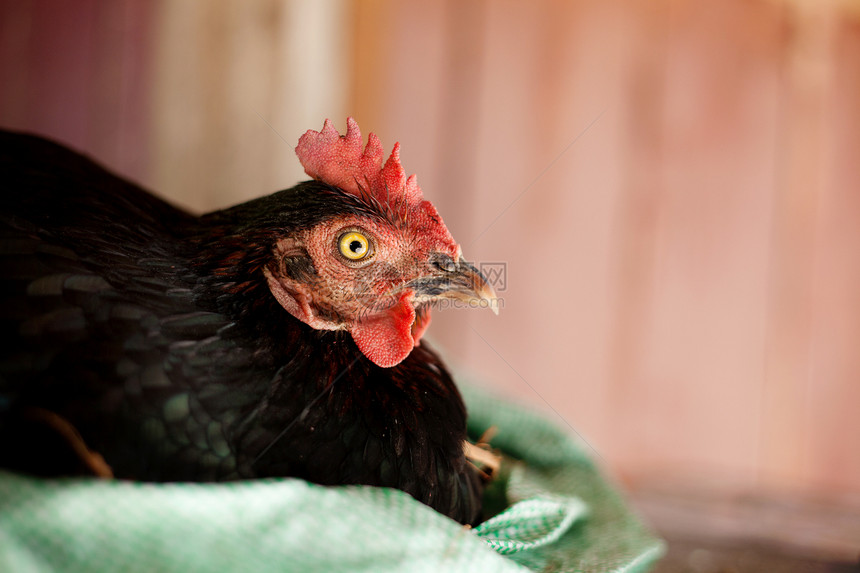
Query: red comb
(340, 161)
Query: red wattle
(386, 338)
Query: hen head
(375, 271)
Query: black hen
(276, 338)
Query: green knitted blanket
(554, 512)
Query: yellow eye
(354, 246)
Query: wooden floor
(705, 556)
(709, 532)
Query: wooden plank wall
(201, 100)
(672, 186)
(78, 72)
(233, 85)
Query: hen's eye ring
(354, 246)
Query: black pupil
(355, 246)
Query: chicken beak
(459, 281)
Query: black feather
(153, 333)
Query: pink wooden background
(673, 185)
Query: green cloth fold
(558, 514)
